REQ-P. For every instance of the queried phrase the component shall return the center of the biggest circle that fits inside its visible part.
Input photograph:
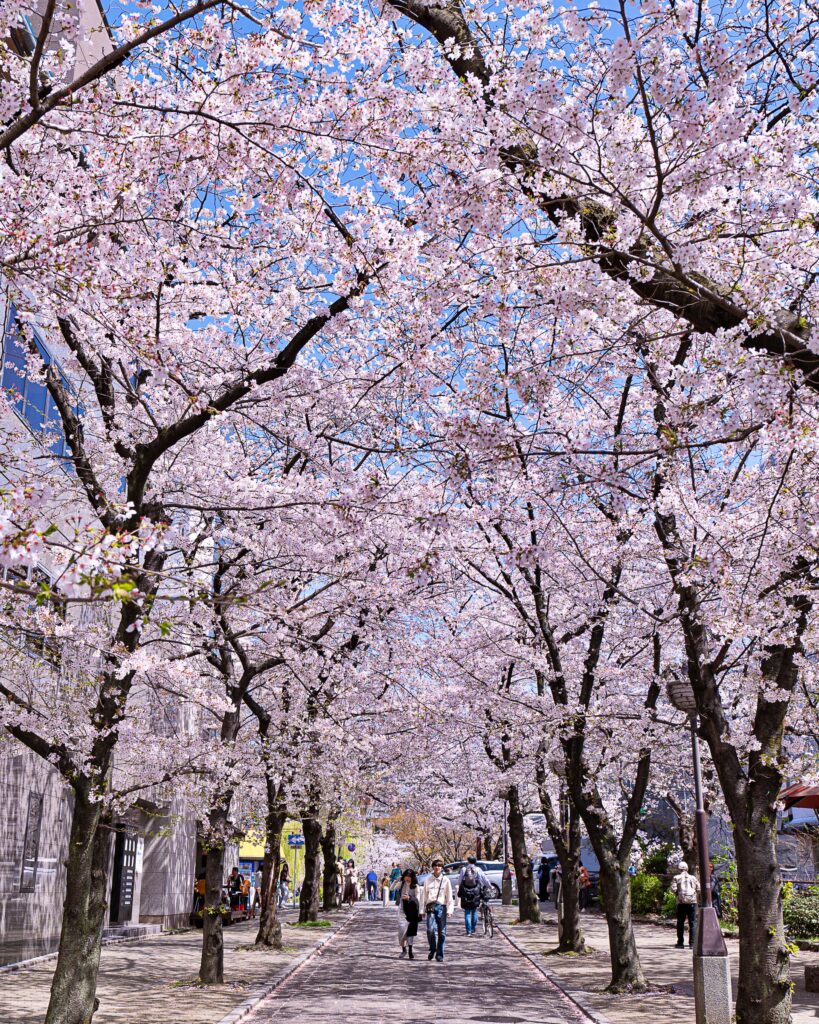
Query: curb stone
(580, 1003)
(269, 987)
(33, 961)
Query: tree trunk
(572, 939)
(309, 899)
(686, 833)
(626, 969)
(328, 852)
(528, 906)
(212, 963)
(765, 993)
(73, 988)
(565, 836)
(270, 928)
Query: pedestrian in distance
(557, 879)
(408, 902)
(385, 890)
(284, 883)
(686, 889)
(255, 890)
(437, 904)
(543, 880)
(395, 875)
(350, 883)
(481, 874)
(372, 886)
(716, 891)
(583, 887)
(341, 865)
(469, 893)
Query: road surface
(358, 979)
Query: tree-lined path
(358, 979)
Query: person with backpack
(686, 889)
(469, 892)
(473, 862)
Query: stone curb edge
(255, 997)
(581, 1004)
(33, 961)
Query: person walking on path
(372, 886)
(395, 874)
(469, 893)
(341, 865)
(284, 883)
(350, 883)
(437, 903)
(583, 887)
(686, 889)
(473, 863)
(557, 878)
(716, 892)
(543, 880)
(408, 901)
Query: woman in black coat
(408, 901)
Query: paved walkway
(153, 981)
(358, 979)
(668, 969)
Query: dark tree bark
(270, 928)
(566, 841)
(309, 899)
(528, 905)
(73, 988)
(686, 833)
(328, 854)
(212, 961)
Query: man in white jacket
(686, 889)
(437, 903)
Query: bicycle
(485, 912)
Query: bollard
(712, 971)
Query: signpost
(295, 840)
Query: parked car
(493, 869)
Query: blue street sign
(295, 839)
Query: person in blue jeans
(469, 893)
(438, 903)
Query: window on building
(31, 842)
(22, 37)
(31, 641)
(30, 398)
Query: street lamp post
(712, 969)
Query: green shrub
(801, 911)
(646, 893)
(669, 908)
(656, 862)
(729, 890)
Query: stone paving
(666, 968)
(153, 981)
(358, 979)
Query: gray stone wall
(30, 920)
(168, 868)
